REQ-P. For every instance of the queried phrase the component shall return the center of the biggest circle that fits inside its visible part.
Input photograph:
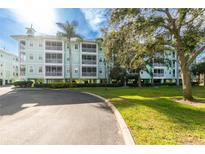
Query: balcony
(54, 73)
(89, 74)
(54, 58)
(54, 61)
(54, 48)
(89, 62)
(54, 45)
(93, 50)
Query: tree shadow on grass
(184, 115)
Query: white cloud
(95, 18)
(43, 19)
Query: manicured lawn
(154, 117)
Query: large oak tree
(182, 30)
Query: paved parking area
(56, 117)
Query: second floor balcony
(54, 58)
(54, 73)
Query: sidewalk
(4, 90)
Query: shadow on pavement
(16, 100)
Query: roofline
(19, 37)
(8, 52)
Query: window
(76, 70)
(88, 59)
(68, 59)
(31, 69)
(31, 44)
(22, 44)
(88, 47)
(1, 74)
(54, 58)
(100, 49)
(40, 58)
(40, 45)
(22, 70)
(54, 71)
(31, 57)
(76, 46)
(158, 72)
(89, 71)
(173, 72)
(173, 54)
(173, 63)
(53, 45)
(1, 65)
(40, 69)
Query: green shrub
(23, 84)
(66, 85)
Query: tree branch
(195, 54)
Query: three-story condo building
(8, 67)
(46, 58)
(168, 71)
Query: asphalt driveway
(56, 117)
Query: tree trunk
(139, 80)
(186, 81)
(125, 81)
(204, 79)
(70, 62)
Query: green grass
(154, 117)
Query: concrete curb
(123, 126)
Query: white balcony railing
(88, 49)
(54, 73)
(88, 73)
(88, 61)
(54, 48)
(54, 61)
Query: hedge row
(67, 85)
(23, 84)
(27, 84)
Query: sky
(14, 22)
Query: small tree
(198, 69)
(117, 73)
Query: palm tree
(68, 31)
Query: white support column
(3, 82)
